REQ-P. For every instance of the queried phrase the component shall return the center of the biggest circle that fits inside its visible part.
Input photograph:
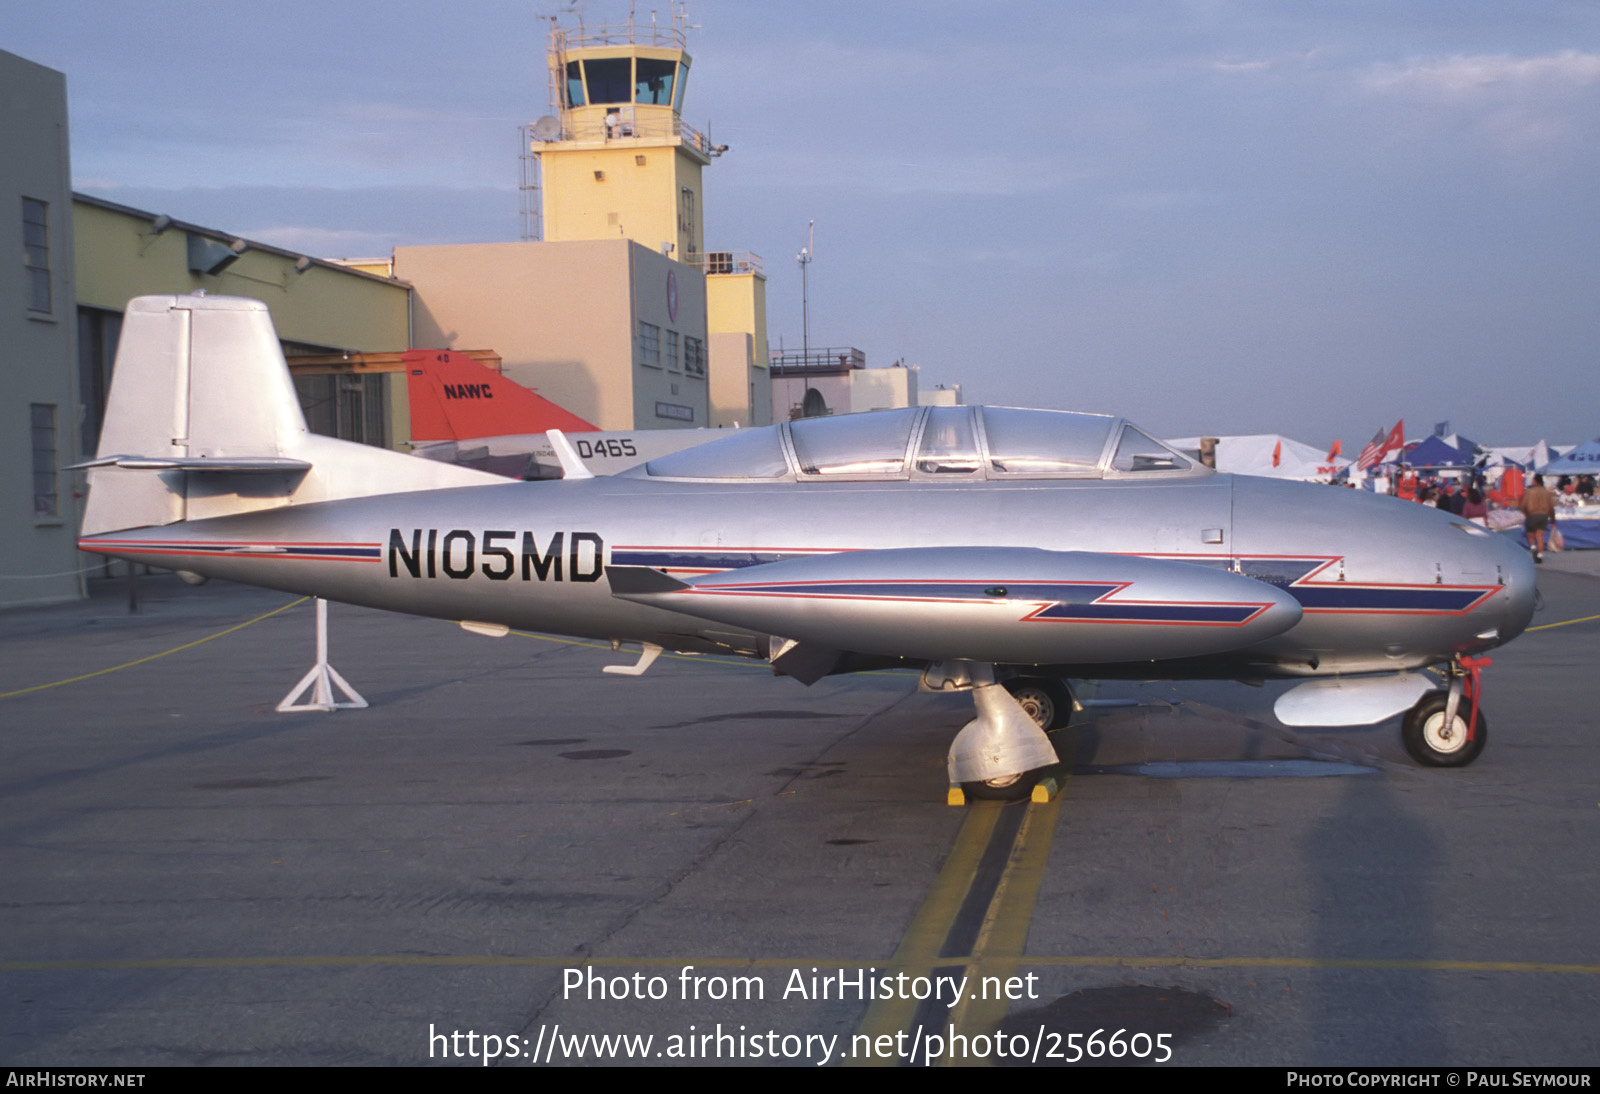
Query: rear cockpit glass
(854, 444)
(748, 454)
(1136, 451)
(1044, 442)
(948, 445)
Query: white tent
(1525, 455)
(1271, 455)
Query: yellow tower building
(617, 161)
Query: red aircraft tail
(453, 398)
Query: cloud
(1523, 107)
(871, 171)
(1470, 79)
(1252, 65)
(323, 242)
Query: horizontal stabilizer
(1009, 605)
(245, 464)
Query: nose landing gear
(1446, 728)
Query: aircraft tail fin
(454, 398)
(202, 421)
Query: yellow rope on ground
(1564, 623)
(155, 656)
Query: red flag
(1277, 452)
(1396, 441)
(1380, 446)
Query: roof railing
(646, 125)
(622, 34)
(816, 360)
(727, 262)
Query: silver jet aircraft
(1000, 551)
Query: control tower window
(609, 79)
(653, 82)
(575, 84)
(683, 80)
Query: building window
(686, 211)
(653, 81)
(574, 84)
(672, 351)
(649, 345)
(352, 408)
(46, 503)
(36, 252)
(98, 332)
(694, 356)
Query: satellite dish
(547, 128)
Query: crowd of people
(1473, 499)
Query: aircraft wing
(1006, 605)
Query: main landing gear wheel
(1048, 702)
(1432, 743)
(1012, 788)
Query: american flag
(1381, 445)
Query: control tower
(617, 160)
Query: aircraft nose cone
(1514, 605)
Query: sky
(1213, 217)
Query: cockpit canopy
(937, 443)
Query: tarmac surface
(507, 840)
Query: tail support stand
(322, 678)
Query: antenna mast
(807, 253)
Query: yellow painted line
(1004, 934)
(919, 946)
(1564, 623)
(975, 966)
(155, 656)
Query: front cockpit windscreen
(1045, 442)
(1137, 451)
(748, 454)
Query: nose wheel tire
(1432, 743)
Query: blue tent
(1583, 460)
(1434, 454)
